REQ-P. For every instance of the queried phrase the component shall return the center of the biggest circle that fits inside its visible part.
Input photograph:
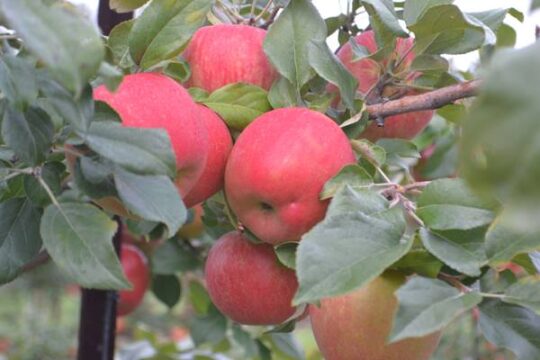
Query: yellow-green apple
(225, 54)
(368, 72)
(356, 326)
(277, 169)
(220, 145)
(247, 283)
(152, 100)
(135, 266)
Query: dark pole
(97, 325)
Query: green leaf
(505, 113)
(428, 305)
(444, 29)
(93, 176)
(28, 134)
(397, 149)
(282, 94)
(526, 292)
(419, 261)
(334, 23)
(50, 173)
(506, 36)
(167, 289)
(55, 34)
(238, 104)
(327, 65)
(535, 4)
(426, 62)
(244, 339)
(491, 18)
(118, 43)
(78, 237)
(461, 250)
(121, 6)
(286, 43)
(374, 154)
(511, 327)
(384, 20)
(358, 239)
(152, 197)
(449, 204)
(20, 240)
(414, 9)
(199, 298)
(286, 346)
(352, 175)
(178, 70)
(164, 28)
(173, 256)
(143, 151)
(210, 328)
(286, 254)
(18, 81)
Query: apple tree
(375, 188)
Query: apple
(152, 100)
(247, 283)
(368, 72)
(226, 54)
(425, 155)
(220, 145)
(356, 326)
(277, 169)
(135, 266)
(194, 227)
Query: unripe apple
(247, 283)
(277, 169)
(368, 72)
(220, 145)
(226, 54)
(356, 326)
(135, 266)
(151, 100)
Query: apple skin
(151, 100)
(277, 169)
(247, 283)
(135, 266)
(220, 145)
(226, 54)
(355, 326)
(367, 72)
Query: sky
(328, 8)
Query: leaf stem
(263, 11)
(493, 296)
(48, 190)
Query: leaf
(428, 305)
(93, 176)
(152, 197)
(286, 254)
(122, 6)
(18, 81)
(444, 29)
(282, 94)
(383, 19)
(286, 344)
(504, 113)
(535, 4)
(167, 289)
(78, 237)
(210, 328)
(20, 240)
(286, 43)
(199, 298)
(352, 175)
(55, 34)
(143, 151)
(118, 43)
(414, 9)
(173, 256)
(461, 250)
(397, 149)
(327, 65)
(29, 134)
(526, 292)
(244, 339)
(419, 261)
(506, 36)
(238, 104)
(178, 70)
(50, 173)
(491, 18)
(449, 204)
(358, 239)
(426, 62)
(164, 28)
(511, 327)
(374, 154)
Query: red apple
(368, 72)
(226, 54)
(277, 169)
(151, 100)
(220, 145)
(135, 267)
(247, 283)
(356, 326)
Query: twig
(271, 18)
(40, 259)
(48, 190)
(263, 11)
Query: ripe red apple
(151, 100)
(277, 169)
(368, 72)
(220, 145)
(225, 54)
(135, 267)
(247, 283)
(356, 326)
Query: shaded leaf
(526, 292)
(173, 256)
(210, 328)
(118, 43)
(286, 254)
(167, 289)
(352, 175)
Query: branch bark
(430, 100)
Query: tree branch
(40, 259)
(430, 100)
